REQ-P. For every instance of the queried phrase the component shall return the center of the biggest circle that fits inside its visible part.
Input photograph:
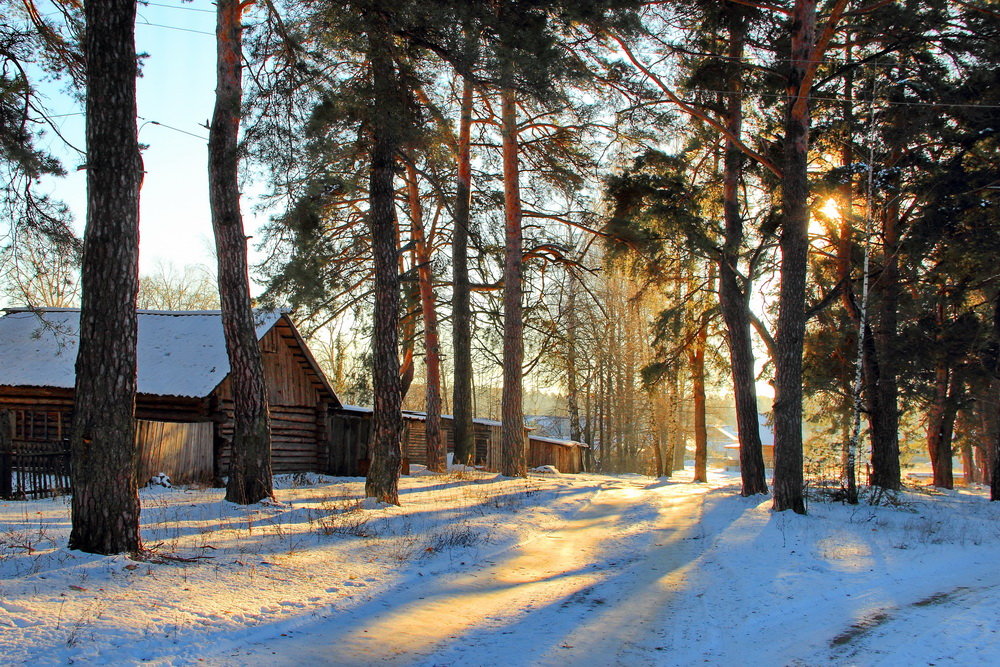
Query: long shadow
(595, 590)
(597, 593)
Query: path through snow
(475, 569)
(588, 592)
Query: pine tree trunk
(969, 473)
(734, 302)
(437, 460)
(794, 244)
(697, 362)
(885, 420)
(936, 418)
(386, 454)
(250, 464)
(105, 504)
(941, 424)
(465, 445)
(572, 388)
(512, 446)
(410, 311)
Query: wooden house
(566, 455)
(486, 433)
(184, 401)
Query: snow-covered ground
(474, 569)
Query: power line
(171, 27)
(186, 9)
(171, 127)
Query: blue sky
(175, 102)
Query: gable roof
(180, 353)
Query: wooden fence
(35, 454)
(31, 468)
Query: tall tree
(806, 52)
(714, 33)
(105, 505)
(386, 453)
(794, 243)
(250, 462)
(436, 449)
(734, 294)
(512, 445)
(461, 309)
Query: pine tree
(105, 505)
(250, 462)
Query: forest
(630, 207)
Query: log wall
(299, 429)
(566, 457)
(183, 451)
(415, 438)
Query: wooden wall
(183, 451)
(565, 457)
(350, 435)
(415, 438)
(298, 408)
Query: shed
(486, 433)
(184, 400)
(351, 433)
(566, 455)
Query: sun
(831, 210)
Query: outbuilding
(184, 402)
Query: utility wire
(186, 9)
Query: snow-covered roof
(559, 441)
(421, 416)
(180, 353)
(356, 408)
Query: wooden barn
(351, 434)
(486, 434)
(184, 402)
(565, 455)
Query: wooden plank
(183, 451)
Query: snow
(179, 353)
(478, 569)
(560, 441)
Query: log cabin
(184, 402)
(566, 455)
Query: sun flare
(830, 209)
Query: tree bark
(465, 445)
(250, 463)
(437, 460)
(386, 454)
(948, 385)
(697, 361)
(572, 384)
(885, 420)
(512, 445)
(794, 244)
(105, 505)
(734, 300)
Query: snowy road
(475, 569)
(588, 593)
